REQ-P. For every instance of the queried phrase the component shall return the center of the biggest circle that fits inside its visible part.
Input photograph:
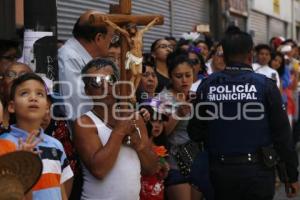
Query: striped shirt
(7, 146)
(56, 168)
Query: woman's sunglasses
(97, 81)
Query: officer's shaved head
(237, 46)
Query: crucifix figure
(120, 16)
(134, 38)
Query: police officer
(240, 117)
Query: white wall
(297, 11)
(266, 7)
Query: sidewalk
(280, 194)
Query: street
(280, 193)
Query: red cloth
(152, 188)
(291, 104)
(61, 132)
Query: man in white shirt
(88, 42)
(263, 57)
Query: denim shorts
(175, 177)
(199, 176)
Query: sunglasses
(115, 38)
(13, 75)
(97, 81)
(165, 46)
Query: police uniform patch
(232, 92)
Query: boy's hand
(30, 143)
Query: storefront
(258, 25)
(268, 19)
(187, 14)
(238, 10)
(179, 15)
(297, 20)
(277, 27)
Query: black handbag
(185, 156)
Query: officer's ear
(250, 57)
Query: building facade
(263, 19)
(179, 15)
(270, 18)
(296, 18)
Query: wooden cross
(121, 15)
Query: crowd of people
(92, 149)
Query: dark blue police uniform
(237, 113)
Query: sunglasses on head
(115, 38)
(97, 81)
(13, 75)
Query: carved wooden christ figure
(134, 37)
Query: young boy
(28, 104)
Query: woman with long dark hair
(160, 49)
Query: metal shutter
(258, 24)
(69, 10)
(187, 14)
(277, 28)
(154, 7)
